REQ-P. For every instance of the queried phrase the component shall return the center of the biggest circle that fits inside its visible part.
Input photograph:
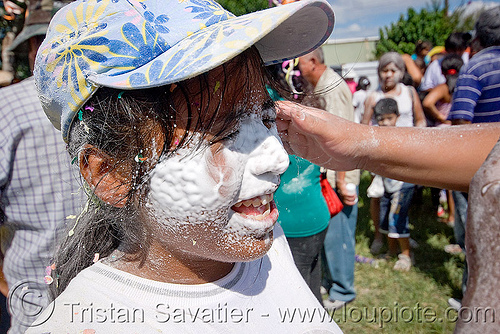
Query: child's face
(216, 202)
(387, 120)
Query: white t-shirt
(433, 76)
(358, 102)
(405, 104)
(263, 296)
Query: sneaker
(455, 303)
(403, 263)
(334, 304)
(376, 246)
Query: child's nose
(269, 157)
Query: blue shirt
(477, 95)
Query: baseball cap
(134, 44)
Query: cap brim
(28, 32)
(279, 33)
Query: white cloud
(363, 18)
(354, 27)
(355, 10)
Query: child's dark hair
(422, 45)
(363, 83)
(126, 126)
(386, 106)
(450, 66)
(457, 42)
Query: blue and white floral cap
(134, 44)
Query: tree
(238, 7)
(431, 24)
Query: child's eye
(226, 136)
(268, 114)
(231, 135)
(269, 122)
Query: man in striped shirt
(477, 95)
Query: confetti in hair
(85, 209)
(48, 271)
(89, 108)
(139, 158)
(48, 279)
(217, 85)
(120, 94)
(80, 115)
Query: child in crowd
(165, 111)
(395, 203)
(359, 97)
(437, 103)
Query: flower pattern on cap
(134, 44)
(209, 11)
(80, 45)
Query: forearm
(439, 93)
(446, 158)
(418, 111)
(432, 112)
(412, 69)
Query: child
(395, 202)
(165, 111)
(437, 103)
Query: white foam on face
(385, 76)
(199, 188)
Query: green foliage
(429, 24)
(238, 7)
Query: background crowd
(437, 86)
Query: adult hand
(345, 196)
(317, 136)
(447, 161)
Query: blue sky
(363, 18)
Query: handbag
(332, 199)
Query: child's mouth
(258, 208)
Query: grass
(413, 302)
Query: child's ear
(108, 180)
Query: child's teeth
(256, 202)
(264, 199)
(268, 211)
(263, 215)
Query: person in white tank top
(390, 71)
